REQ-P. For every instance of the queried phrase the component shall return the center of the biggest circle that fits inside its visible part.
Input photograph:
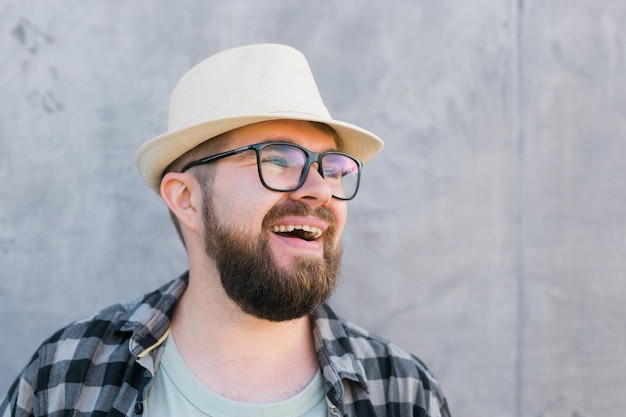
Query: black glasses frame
(311, 157)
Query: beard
(251, 276)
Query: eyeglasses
(284, 167)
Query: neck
(237, 355)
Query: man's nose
(315, 188)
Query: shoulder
(92, 349)
(387, 373)
(71, 351)
(344, 337)
(104, 326)
(84, 339)
(385, 359)
(142, 319)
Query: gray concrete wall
(488, 238)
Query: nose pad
(315, 186)
(312, 171)
(319, 168)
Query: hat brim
(154, 156)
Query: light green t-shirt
(177, 392)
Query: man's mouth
(299, 231)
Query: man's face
(271, 274)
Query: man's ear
(180, 191)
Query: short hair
(204, 173)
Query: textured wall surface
(489, 236)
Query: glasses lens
(281, 166)
(342, 174)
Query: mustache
(297, 208)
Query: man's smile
(301, 231)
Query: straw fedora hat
(238, 87)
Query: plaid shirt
(105, 365)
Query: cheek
(242, 207)
(236, 198)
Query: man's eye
(276, 161)
(333, 173)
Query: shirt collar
(336, 357)
(150, 319)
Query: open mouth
(304, 232)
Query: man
(256, 175)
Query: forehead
(302, 133)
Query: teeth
(317, 232)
